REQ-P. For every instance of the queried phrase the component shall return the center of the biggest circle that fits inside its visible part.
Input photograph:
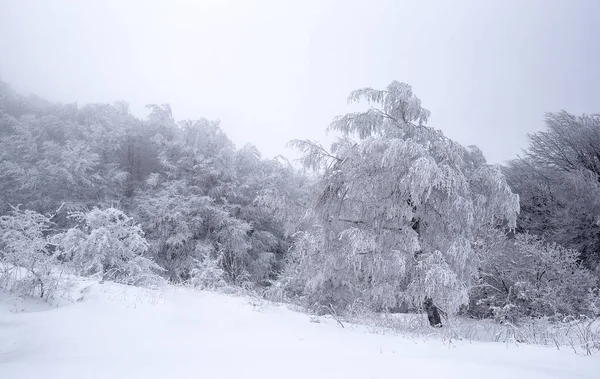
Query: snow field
(116, 331)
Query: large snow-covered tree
(399, 206)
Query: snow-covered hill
(123, 332)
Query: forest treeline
(391, 216)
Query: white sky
(277, 70)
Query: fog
(272, 71)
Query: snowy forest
(393, 217)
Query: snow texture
(115, 331)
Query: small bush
(208, 274)
(109, 243)
(27, 257)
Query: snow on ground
(123, 332)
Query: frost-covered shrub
(109, 243)
(208, 274)
(527, 277)
(593, 301)
(27, 257)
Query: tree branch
(360, 222)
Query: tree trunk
(433, 313)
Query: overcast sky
(277, 70)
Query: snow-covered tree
(183, 227)
(399, 206)
(558, 181)
(68, 153)
(199, 153)
(524, 276)
(271, 197)
(207, 195)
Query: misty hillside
(315, 189)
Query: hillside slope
(123, 332)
